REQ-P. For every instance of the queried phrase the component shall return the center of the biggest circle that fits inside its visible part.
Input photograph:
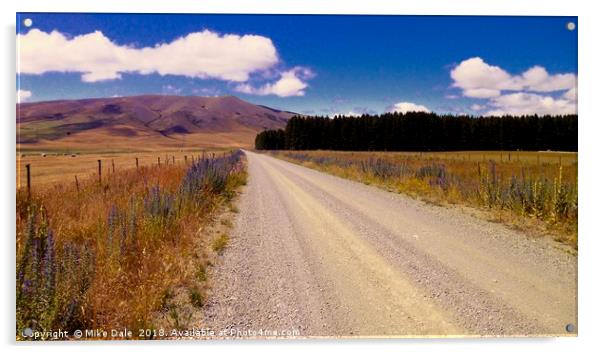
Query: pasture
(52, 168)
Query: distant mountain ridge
(144, 122)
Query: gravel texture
(314, 255)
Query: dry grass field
(525, 157)
(104, 139)
(115, 254)
(55, 168)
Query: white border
(422, 7)
(589, 146)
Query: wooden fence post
(185, 159)
(136, 163)
(99, 172)
(173, 159)
(28, 167)
(159, 161)
(76, 184)
(113, 164)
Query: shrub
(51, 284)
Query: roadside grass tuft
(233, 208)
(220, 243)
(201, 273)
(226, 222)
(196, 298)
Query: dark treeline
(417, 131)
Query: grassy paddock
(534, 191)
(107, 255)
(60, 167)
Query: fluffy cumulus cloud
(404, 107)
(291, 83)
(204, 55)
(533, 91)
(539, 80)
(522, 103)
(479, 79)
(23, 95)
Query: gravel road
(315, 255)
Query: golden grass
(119, 248)
(62, 168)
(107, 140)
(220, 243)
(524, 157)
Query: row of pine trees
(419, 131)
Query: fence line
(112, 168)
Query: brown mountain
(144, 123)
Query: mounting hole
(570, 328)
(27, 332)
(571, 26)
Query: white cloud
(171, 90)
(481, 93)
(537, 79)
(206, 91)
(571, 94)
(291, 83)
(348, 114)
(404, 107)
(515, 94)
(203, 54)
(530, 103)
(23, 95)
(478, 79)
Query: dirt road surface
(315, 255)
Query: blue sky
(307, 64)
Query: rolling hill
(150, 122)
